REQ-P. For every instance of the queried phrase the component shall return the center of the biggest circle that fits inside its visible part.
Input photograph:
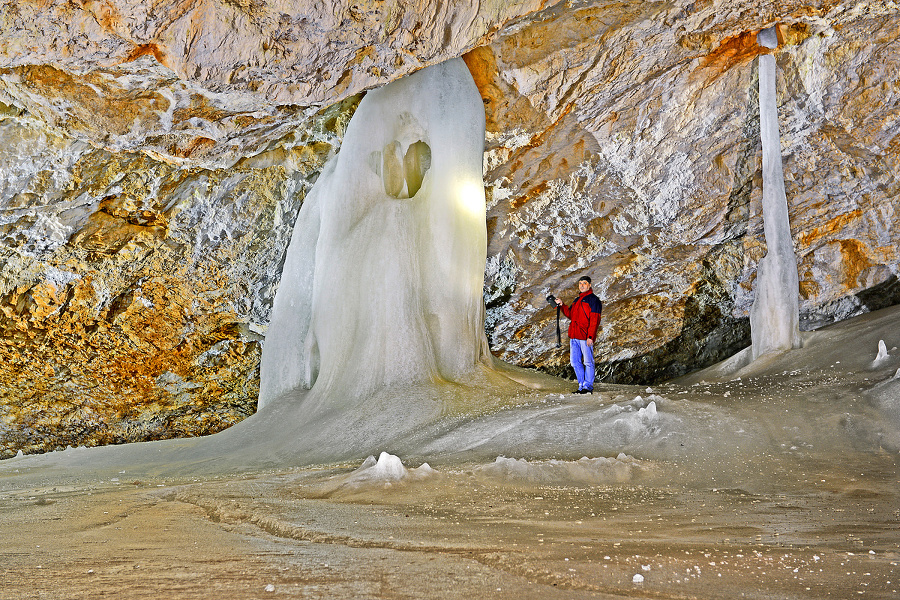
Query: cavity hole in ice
(398, 168)
(416, 163)
(392, 170)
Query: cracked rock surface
(154, 156)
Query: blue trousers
(582, 358)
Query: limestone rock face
(153, 159)
(134, 293)
(255, 44)
(624, 144)
(154, 156)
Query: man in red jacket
(585, 318)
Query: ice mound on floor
(882, 356)
(637, 422)
(588, 428)
(585, 471)
(383, 472)
(388, 472)
(886, 398)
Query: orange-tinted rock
(657, 186)
(134, 294)
(153, 163)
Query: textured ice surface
(775, 314)
(376, 347)
(584, 471)
(383, 278)
(384, 471)
(389, 471)
(753, 428)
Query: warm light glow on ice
(471, 198)
(409, 274)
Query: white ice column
(775, 314)
(383, 278)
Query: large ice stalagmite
(775, 315)
(382, 283)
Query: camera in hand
(551, 299)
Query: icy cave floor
(779, 480)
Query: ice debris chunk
(882, 355)
(382, 472)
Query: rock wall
(153, 159)
(624, 144)
(134, 293)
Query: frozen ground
(776, 480)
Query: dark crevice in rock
(886, 293)
(877, 297)
(709, 334)
(706, 338)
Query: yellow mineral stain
(809, 287)
(855, 260)
(148, 50)
(730, 53)
(831, 228)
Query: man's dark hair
(585, 278)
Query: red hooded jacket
(585, 315)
